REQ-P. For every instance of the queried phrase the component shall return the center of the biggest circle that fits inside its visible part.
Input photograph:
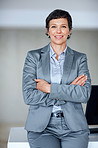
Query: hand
(42, 85)
(80, 80)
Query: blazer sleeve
(74, 93)
(31, 95)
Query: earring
(68, 37)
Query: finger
(78, 78)
(37, 80)
(82, 80)
(82, 83)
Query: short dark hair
(58, 13)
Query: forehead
(58, 21)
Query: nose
(58, 30)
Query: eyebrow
(60, 24)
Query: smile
(58, 36)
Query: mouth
(58, 36)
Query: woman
(56, 81)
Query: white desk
(18, 139)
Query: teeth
(59, 36)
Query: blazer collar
(45, 49)
(45, 63)
(67, 65)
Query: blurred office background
(22, 28)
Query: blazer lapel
(44, 64)
(67, 65)
(43, 71)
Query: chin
(60, 43)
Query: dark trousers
(58, 135)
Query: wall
(14, 44)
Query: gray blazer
(70, 97)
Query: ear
(47, 31)
(69, 32)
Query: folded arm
(77, 91)
(33, 96)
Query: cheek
(52, 31)
(51, 34)
(66, 32)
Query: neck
(58, 48)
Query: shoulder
(77, 54)
(36, 53)
(39, 50)
(78, 57)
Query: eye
(53, 26)
(63, 26)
